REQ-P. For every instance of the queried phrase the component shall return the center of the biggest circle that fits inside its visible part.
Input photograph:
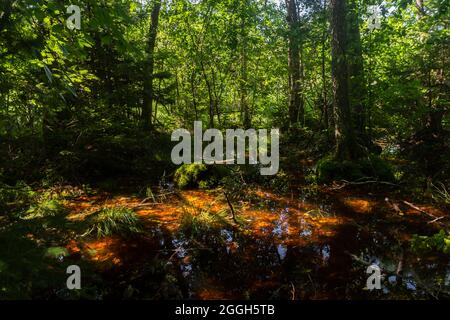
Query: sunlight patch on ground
(100, 250)
(359, 205)
(166, 214)
(83, 207)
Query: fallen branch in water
(409, 204)
(357, 183)
(145, 205)
(435, 219)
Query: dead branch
(435, 219)
(231, 207)
(356, 183)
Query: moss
(198, 175)
(330, 169)
(56, 252)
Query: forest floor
(314, 243)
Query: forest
(354, 97)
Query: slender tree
(295, 98)
(147, 108)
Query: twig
(354, 183)
(293, 290)
(153, 197)
(409, 204)
(231, 207)
(145, 205)
(435, 219)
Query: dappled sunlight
(266, 196)
(253, 150)
(296, 222)
(171, 212)
(102, 250)
(433, 211)
(211, 294)
(73, 247)
(359, 205)
(84, 206)
(192, 234)
(167, 214)
(201, 199)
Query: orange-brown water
(283, 247)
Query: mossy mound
(198, 175)
(329, 169)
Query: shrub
(15, 198)
(329, 169)
(44, 207)
(21, 201)
(198, 175)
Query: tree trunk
(358, 89)
(325, 107)
(149, 70)
(295, 99)
(244, 77)
(210, 95)
(345, 141)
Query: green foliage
(438, 242)
(44, 207)
(189, 175)
(114, 221)
(15, 198)
(21, 201)
(56, 252)
(329, 169)
(279, 183)
(198, 175)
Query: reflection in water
(305, 228)
(410, 283)
(182, 254)
(228, 236)
(282, 251)
(321, 248)
(281, 225)
(325, 252)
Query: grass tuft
(114, 221)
